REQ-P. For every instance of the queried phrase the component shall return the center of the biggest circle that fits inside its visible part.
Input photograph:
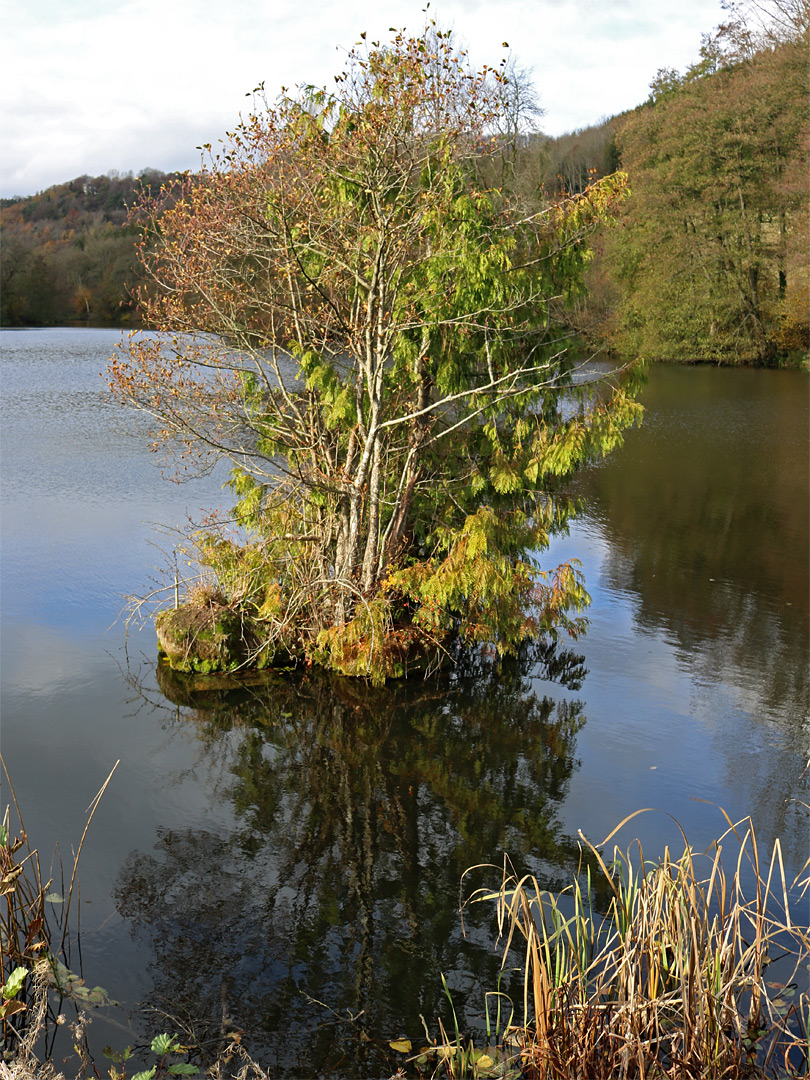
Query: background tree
(713, 259)
(371, 337)
(519, 113)
(754, 25)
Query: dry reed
(670, 982)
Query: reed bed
(673, 980)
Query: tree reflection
(356, 813)
(722, 563)
(704, 520)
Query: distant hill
(68, 253)
(709, 260)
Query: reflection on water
(356, 813)
(696, 543)
(308, 837)
(707, 524)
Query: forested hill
(709, 260)
(68, 253)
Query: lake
(286, 861)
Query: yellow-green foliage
(382, 353)
(484, 592)
(373, 645)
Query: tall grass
(671, 981)
(34, 950)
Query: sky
(92, 86)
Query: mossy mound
(205, 636)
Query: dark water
(304, 842)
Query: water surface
(287, 861)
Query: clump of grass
(32, 954)
(671, 980)
(24, 932)
(32, 972)
(460, 1059)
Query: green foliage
(165, 1047)
(712, 261)
(14, 982)
(165, 1044)
(10, 989)
(485, 592)
(382, 355)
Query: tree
(518, 113)
(714, 256)
(754, 25)
(370, 337)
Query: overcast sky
(87, 86)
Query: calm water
(303, 843)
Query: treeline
(708, 261)
(68, 253)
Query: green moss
(201, 637)
(210, 637)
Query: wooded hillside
(709, 260)
(69, 252)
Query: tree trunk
(369, 575)
(418, 430)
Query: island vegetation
(367, 309)
(375, 338)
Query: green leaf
(147, 1075)
(14, 982)
(165, 1044)
(183, 1069)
